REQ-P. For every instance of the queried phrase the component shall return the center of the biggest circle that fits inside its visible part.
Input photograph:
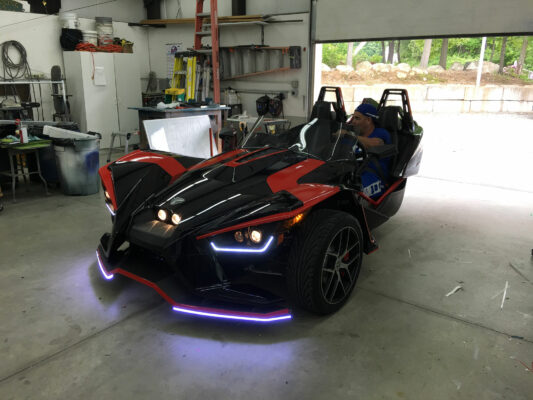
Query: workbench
(161, 113)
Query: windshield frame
(322, 139)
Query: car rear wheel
(325, 261)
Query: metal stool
(18, 165)
(126, 135)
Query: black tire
(325, 261)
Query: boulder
(401, 75)
(471, 65)
(436, 69)
(419, 71)
(380, 67)
(363, 66)
(344, 68)
(488, 67)
(325, 68)
(402, 67)
(456, 66)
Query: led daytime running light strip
(102, 269)
(110, 209)
(242, 249)
(229, 316)
(206, 313)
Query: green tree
(459, 50)
(334, 54)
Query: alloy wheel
(340, 265)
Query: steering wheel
(361, 157)
(361, 152)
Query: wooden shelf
(228, 20)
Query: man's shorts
(373, 187)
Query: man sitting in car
(376, 175)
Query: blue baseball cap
(368, 110)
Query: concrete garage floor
(65, 333)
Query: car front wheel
(325, 261)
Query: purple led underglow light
(102, 269)
(109, 208)
(229, 316)
(243, 249)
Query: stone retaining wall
(450, 98)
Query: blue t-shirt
(373, 186)
(384, 135)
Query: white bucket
(90, 37)
(69, 20)
(104, 29)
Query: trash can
(78, 160)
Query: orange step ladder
(199, 33)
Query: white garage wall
(169, 8)
(282, 34)
(277, 6)
(39, 34)
(343, 20)
(119, 10)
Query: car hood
(253, 185)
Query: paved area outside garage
(65, 333)
(503, 145)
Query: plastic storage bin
(78, 160)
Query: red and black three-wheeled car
(278, 222)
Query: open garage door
(346, 20)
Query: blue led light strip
(230, 316)
(102, 269)
(110, 209)
(243, 249)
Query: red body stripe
(168, 163)
(107, 180)
(236, 163)
(217, 159)
(325, 192)
(287, 179)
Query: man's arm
(370, 142)
(365, 141)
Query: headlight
(256, 236)
(176, 219)
(162, 215)
(243, 249)
(239, 237)
(107, 195)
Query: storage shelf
(226, 20)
